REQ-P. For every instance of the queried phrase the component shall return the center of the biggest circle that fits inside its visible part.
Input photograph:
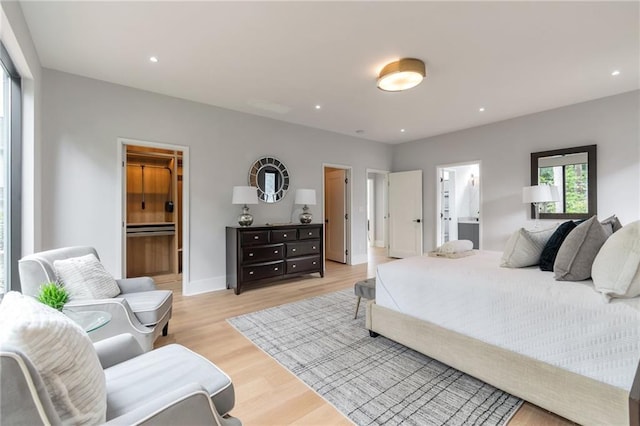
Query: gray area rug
(371, 381)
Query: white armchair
(167, 386)
(140, 309)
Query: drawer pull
(275, 269)
(275, 252)
(250, 254)
(293, 266)
(293, 249)
(255, 237)
(314, 247)
(310, 233)
(284, 235)
(314, 263)
(250, 272)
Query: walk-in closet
(154, 213)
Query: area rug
(371, 380)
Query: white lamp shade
(305, 196)
(555, 193)
(245, 195)
(537, 194)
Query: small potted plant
(54, 295)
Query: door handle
(326, 221)
(416, 220)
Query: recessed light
(402, 130)
(615, 73)
(481, 109)
(318, 106)
(154, 59)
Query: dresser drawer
(254, 237)
(264, 270)
(308, 233)
(303, 264)
(283, 235)
(303, 248)
(253, 254)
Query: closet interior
(154, 213)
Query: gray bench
(366, 289)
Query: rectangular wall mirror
(573, 171)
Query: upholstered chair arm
(25, 399)
(117, 349)
(189, 404)
(123, 320)
(134, 285)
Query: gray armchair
(140, 309)
(167, 386)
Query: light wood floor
(266, 393)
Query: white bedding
(566, 324)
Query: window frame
(13, 243)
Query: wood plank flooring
(267, 393)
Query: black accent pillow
(550, 250)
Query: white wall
(504, 149)
(82, 119)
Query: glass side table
(88, 320)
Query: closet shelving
(154, 214)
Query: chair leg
(165, 329)
(357, 307)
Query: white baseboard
(378, 243)
(357, 260)
(204, 286)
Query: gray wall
(83, 118)
(504, 151)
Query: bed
(555, 344)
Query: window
(10, 173)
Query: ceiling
(281, 59)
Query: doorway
(458, 208)
(154, 237)
(337, 196)
(377, 204)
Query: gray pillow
(579, 250)
(611, 224)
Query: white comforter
(566, 324)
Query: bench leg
(357, 307)
(165, 329)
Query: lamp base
(245, 219)
(305, 216)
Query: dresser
(258, 254)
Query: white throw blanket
(455, 246)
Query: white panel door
(405, 214)
(335, 216)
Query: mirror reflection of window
(270, 186)
(570, 174)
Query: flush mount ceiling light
(401, 75)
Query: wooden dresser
(258, 254)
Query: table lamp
(306, 197)
(538, 194)
(245, 195)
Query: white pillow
(84, 278)
(616, 268)
(525, 247)
(63, 355)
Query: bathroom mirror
(271, 177)
(573, 171)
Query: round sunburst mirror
(271, 177)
